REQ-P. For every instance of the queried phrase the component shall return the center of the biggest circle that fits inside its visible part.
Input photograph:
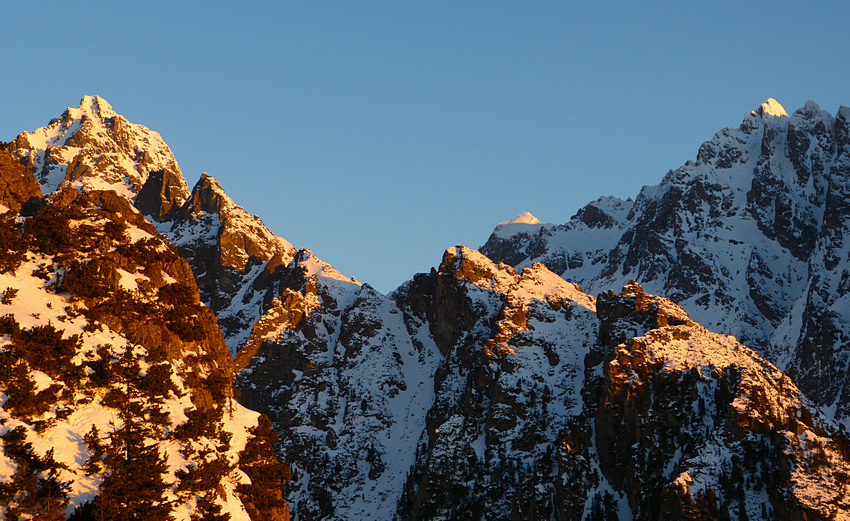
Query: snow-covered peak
(523, 218)
(90, 147)
(312, 265)
(62, 131)
(810, 116)
(534, 283)
(811, 107)
(523, 223)
(771, 107)
(92, 106)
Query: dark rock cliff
(229, 251)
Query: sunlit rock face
(231, 253)
(17, 185)
(90, 147)
(751, 238)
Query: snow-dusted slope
(507, 390)
(580, 246)
(741, 237)
(348, 385)
(115, 389)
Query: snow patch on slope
(37, 305)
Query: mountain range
(679, 355)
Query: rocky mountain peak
(633, 312)
(810, 125)
(91, 147)
(467, 263)
(233, 256)
(810, 110)
(94, 107)
(208, 196)
(210, 216)
(721, 410)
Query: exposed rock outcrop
(17, 184)
(694, 425)
(231, 253)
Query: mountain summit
(92, 148)
(523, 218)
(771, 107)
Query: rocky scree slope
(115, 380)
(752, 238)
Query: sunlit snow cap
(523, 218)
(771, 107)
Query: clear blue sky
(379, 134)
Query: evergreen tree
(97, 449)
(268, 475)
(25, 401)
(34, 490)
(208, 510)
(133, 485)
